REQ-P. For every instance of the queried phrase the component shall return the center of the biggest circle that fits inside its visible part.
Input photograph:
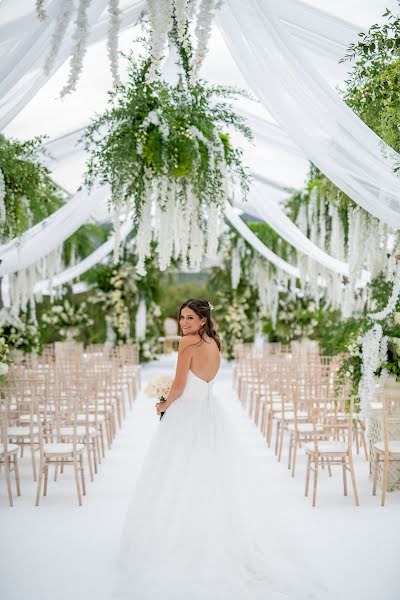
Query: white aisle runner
(60, 551)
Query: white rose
(396, 318)
(3, 369)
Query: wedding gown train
(200, 524)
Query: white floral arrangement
(159, 388)
(68, 318)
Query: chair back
(170, 326)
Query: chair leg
(103, 453)
(89, 457)
(39, 485)
(46, 476)
(376, 471)
(271, 428)
(344, 476)
(353, 481)
(278, 428)
(78, 486)
(82, 474)
(364, 441)
(290, 451)
(384, 481)
(33, 462)
(16, 472)
(281, 442)
(315, 481)
(308, 474)
(8, 478)
(296, 442)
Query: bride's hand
(161, 407)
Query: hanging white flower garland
(41, 13)
(112, 38)
(374, 351)
(80, 37)
(63, 19)
(393, 269)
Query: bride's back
(206, 358)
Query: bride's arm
(182, 368)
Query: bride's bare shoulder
(188, 340)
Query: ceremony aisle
(59, 551)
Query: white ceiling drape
(97, 256)
(266, 49)
(313, 114)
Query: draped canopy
(286, 53)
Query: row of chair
(290, 393)
(66, 407)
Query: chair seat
(21, 431)
(289, 415)
(394, 447)
(61, 448)
(11, 449)
(27, 419)
(304, 427)
(327, 447)
(80, 430)
(91, 418)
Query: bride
(200, 524)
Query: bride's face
(190, 322)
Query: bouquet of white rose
(159, 387)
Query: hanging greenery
(27, 194)
(166, 150)
(373, 87)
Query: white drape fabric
(273, 214)
(26, 41)
(257, 244)
(46, 286)
(313, 114)
(43, 238)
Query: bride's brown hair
(202, 309)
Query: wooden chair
(386, 450)
(170, 339)
(8, 452)
(61, 453)
(330, 451)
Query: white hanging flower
(41, 13)
(393, 268)
(160, 14)
(181, 17)
(144, 233)
(203, 34)
(63, 19)
(112, 38)
(374, 348)
(80, 37)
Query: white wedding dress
(198, 525)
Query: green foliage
(177, 132)
(272, 240)
(300, 317)
(30, 195)
(373, 88)
(85, 240)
